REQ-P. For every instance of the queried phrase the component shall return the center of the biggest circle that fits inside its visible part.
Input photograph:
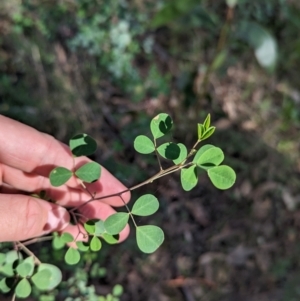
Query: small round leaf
(59, 176)
(67, 237)
(82, 145)
(89, 226)
(99, 228)
(143, 145)
(95, 244)
(48, 276)
(7, 269)
(12, 256)
(200, 151)
(110, 239)
(145, 205)
(26, 267)
(117, 290)
(72, 256)
(223, 176)
(210, 158)
(189, 177)
(115, 223)
(149, 238)
(23, 288)
(161, 125)
(4, 288)
(182, 154)
(169, 150)
(89, 172)
(82, 246)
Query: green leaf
(263, 42)
(7, 269)
(210, 158)
(145, 205)
(169, 150)
(72, 256)
(89, 172)
(12, 256)
(57, 242)
(149, 238)
(182, 153)
(82, 145)
(115, 223)
(206, 123)
(200, 151)
(208, 133)
(48, 276)
(201, 130)
(23, 289)
(2, 258)
(95, 244)
(26, 267)
(90, 227)
(223, 176)
(110, 239)
(99, 228)
(67, 237)
(189, 178)
(4, 288)
(161, 125)
(117, 290)
(82, 246)
(59, 176)
(143, 145)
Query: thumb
(23, 217)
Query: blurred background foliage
(107, 67)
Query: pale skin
(26, 158)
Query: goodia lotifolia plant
(19, 274)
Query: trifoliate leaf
(143, 145)
(89, 172)
(82, 145)
(223, 176)
(59, 176)
(23, 289)
(145, 205)
(115, 223)
(169, 150)
(189, 178)
(149, 238)
(72, 256)
(161, 125)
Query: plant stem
(28, 252)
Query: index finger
(33, 152)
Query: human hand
(26, 159)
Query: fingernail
(58, 219)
